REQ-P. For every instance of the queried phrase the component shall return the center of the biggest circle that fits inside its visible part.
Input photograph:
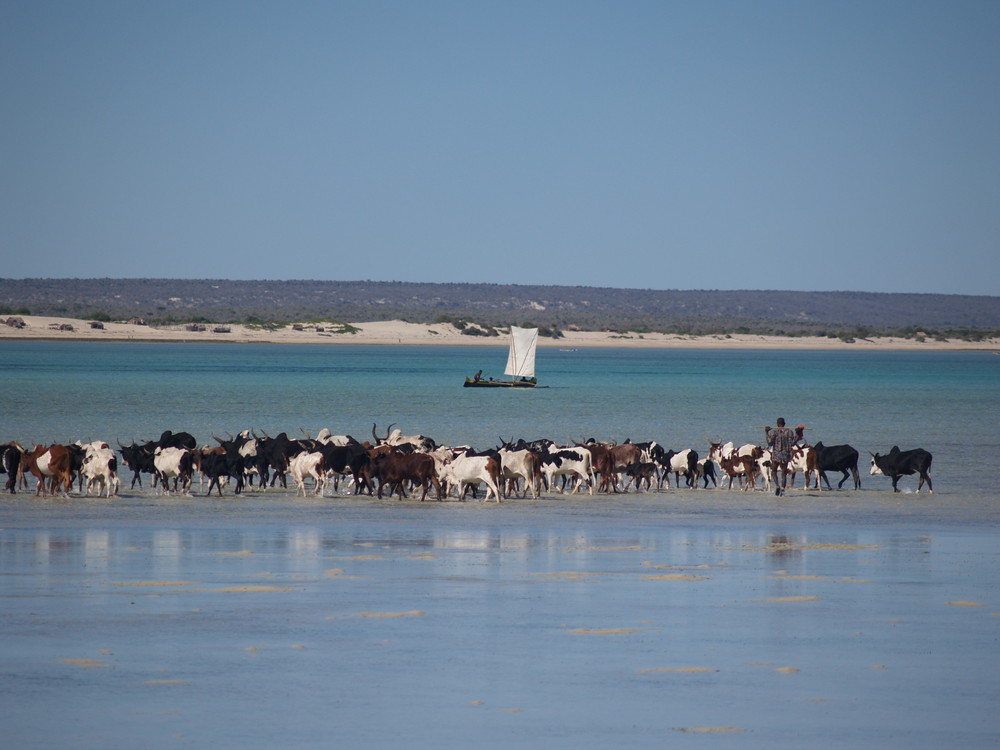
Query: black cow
(139, 458)
(10, 463)
(642, 472)
(267, 454)
(76, 455)
(842, 458)
(352, 459)
(176, 440)
(231, 463)
(216, 463)
(536, 446)
(706, 470)
(897, 463)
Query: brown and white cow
(466, 470)
(805, 459)
(516, 465)
(603, 464)
(53, 463)
(736, 463)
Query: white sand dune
(397, 332)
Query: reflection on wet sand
(567, 623)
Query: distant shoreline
(399, 333)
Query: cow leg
(925, 477)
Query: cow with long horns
(396, 438)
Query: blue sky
(698, 145)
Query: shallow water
(835, 619)
(844, 620)
(62, 392)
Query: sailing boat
(520, 363)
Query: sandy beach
(396, 332)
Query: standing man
(780, 440)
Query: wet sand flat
(663, 619)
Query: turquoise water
(56, 392)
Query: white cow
(173, 463)
(517, 465)
(328, 438)
(465, 470)
(308, 465)
(100, 467)
(396, 438)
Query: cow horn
(373, 432)
(389, 429)
(219, 440)
(306, 433)
(230, 435)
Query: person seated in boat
(478, 376)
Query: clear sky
(798, 144)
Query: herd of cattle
(397, 463)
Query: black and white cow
(572, 462)
(897, 463)
(683, 463)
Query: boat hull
(471, 383)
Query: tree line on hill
(482, 308)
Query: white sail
(521, 359)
